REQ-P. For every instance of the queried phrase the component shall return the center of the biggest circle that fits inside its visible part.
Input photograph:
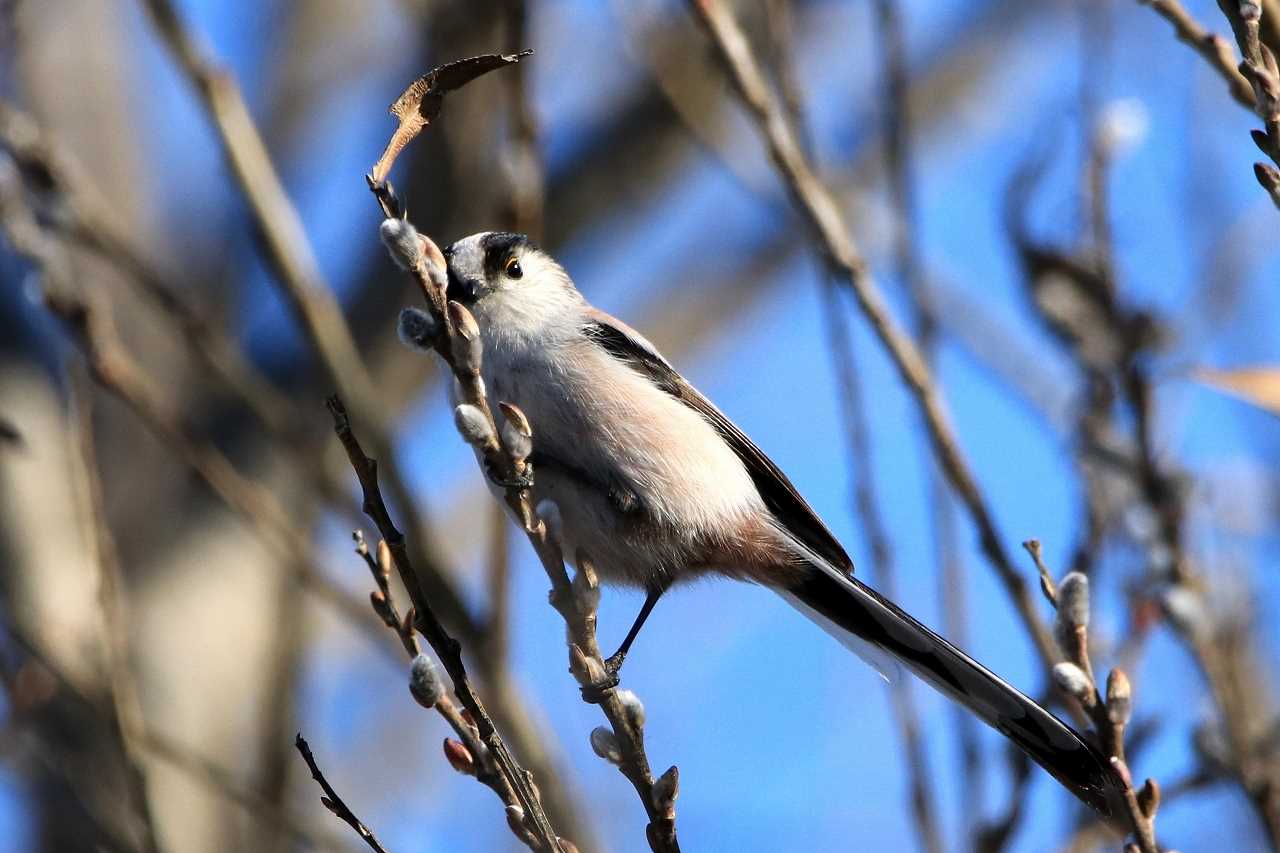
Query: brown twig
(289, 253)
(449, 650)
(829, 229)
(1260, 68)
(504, 456)
(469, 755)
(1212, 47)
(332, 801)
(622, 744)
(1108, 712)
(127, 716)
(161, 747)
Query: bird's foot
(596, 691)
(519, 481)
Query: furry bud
(472, 425)
(417, 329)
(1073, 600)
(459, 757)
(633, 707)
(402, 241)
(605, 744)
(1119, 698)
(424, 681)
(466, 340)
(1073, 681)
(1250, 10)
(517, 436)
(549, 512)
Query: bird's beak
(461, 289)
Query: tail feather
(874, 627)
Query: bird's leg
(613, 664)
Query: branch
(1261, 70)
(468, 755)
(830, 231)
(449, 650)
(1108, 715)
(180, 757)
(127, 717)
(1212, 47)
(332, 801)
(289, 252)
(450, 330)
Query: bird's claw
(519, 481)
(596, 691)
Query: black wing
(625, 344)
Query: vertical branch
(126, 705)
(448, 649)
(866, 509)
(909, 270)
(865, 506)
(524, 167)
(289, 253)
(831, 232)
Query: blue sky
(784, 741)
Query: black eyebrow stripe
(498, 246)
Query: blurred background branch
(1054, 202)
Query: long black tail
(850, 606)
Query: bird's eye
(513, 268)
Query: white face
(508, 282)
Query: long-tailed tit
(658, 486)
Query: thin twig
(159, 746)
(829, 229)
(428, 623)
(127, 716)
(1212, 47)
(1108, 711)
(289, 253)
(474, 757)
(865, 506)
(332, 801)
(456, 340)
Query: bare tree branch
(828, 226)
(332, 801)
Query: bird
(659, 487)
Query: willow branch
(1213, 48)
(448, 649)
(830, 231)
(332, 801)
(298, 275)
(452, 333)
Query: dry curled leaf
(419, 104)
(1257, 385)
